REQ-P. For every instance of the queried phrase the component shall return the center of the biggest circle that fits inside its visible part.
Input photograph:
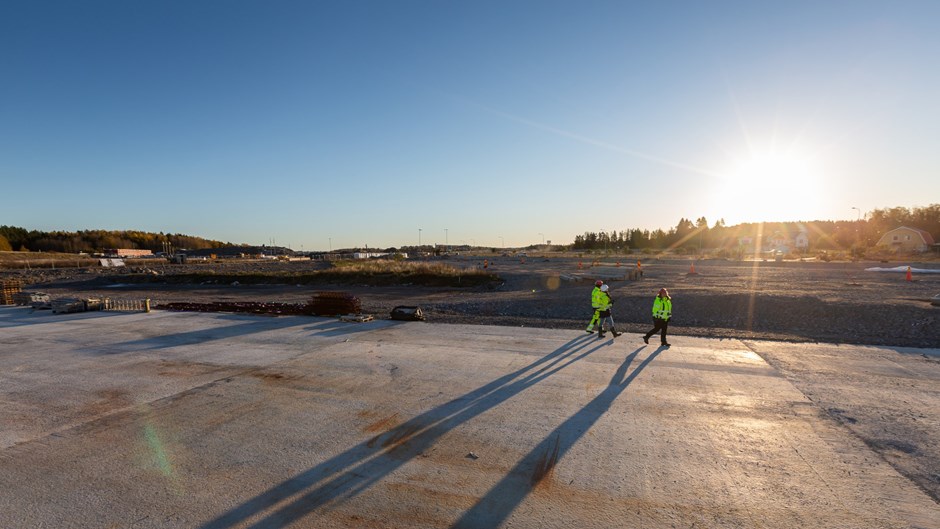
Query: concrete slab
(223, 421)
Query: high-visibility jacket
(604, 302)
(662, 308)
(596, 297)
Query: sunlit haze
(321, 125)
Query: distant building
(906, 239)
(778, 243)
(801, 240)
(127, 252)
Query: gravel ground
(790, 301)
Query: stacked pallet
(8, 288)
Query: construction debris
(356, 318)
(403, 313)
(287, 309)
(333, 303)
(68, 305)
(36, 300)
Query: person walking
(604, 313)
(595, 304)
(662, 311)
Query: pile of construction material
(36, 300)
(249, 307)
(69, 305)
(334, 303)
(8, 289)
(342, 304)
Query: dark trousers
(659, 325)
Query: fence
(126, 305)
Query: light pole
(446, 244)
(419, 237)
(543, 237)
(858, 219)
(331, 244)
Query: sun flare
(769, 186)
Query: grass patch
(374, 273)
(31, 260)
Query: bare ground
(790, 301)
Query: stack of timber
(8, 288)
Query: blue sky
(349, 123)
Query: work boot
(614, 332)
(600, 334)
(664, 344)
(589, 330)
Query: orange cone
(579, 265)
(909, 278)
(692, 268)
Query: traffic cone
(692, 269)
(579, 265)
(909, 278)
(618, 264)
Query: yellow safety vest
(662, 308)
(596, 297)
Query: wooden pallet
(356, 318)
(9, 288)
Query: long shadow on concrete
(22, 316)
(244, 325)
(537, 465)
(355, 470)
(335, 328)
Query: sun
(769, 186)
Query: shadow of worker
(496, 506)
(360, 467)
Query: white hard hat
(604, 288)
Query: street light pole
(445, 238)
(419, 237)
(858, 219)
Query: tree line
(823, 235)
(687, 235)
(94, 241)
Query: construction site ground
(217, 420)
